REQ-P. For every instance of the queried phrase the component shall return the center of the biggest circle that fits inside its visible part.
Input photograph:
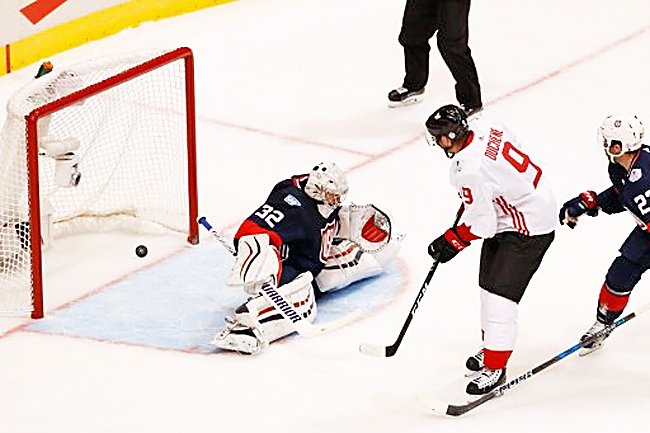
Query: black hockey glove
(445, 247)
(587, 202)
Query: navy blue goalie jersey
(296, 227)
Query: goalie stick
(204, 222)
(269, 291)
(457, 410)
(388, 351)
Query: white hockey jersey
(502, 187)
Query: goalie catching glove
(585, 203)
(366, 225)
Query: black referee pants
(449, 18)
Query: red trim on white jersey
(518, 220)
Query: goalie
(303, 241)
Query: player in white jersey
(508, 203)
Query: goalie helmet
(450, 121)
(327, 183)
(624, 130)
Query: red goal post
(127, 126)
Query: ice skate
(596, 343)
(474, 363)
(472, 110)
(403, 96)
(240, 338)
(486, 381)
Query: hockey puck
(141, 251)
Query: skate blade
(408, 101)
(588, 351)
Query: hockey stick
(388, 351)
(204, 222)
(269, 291)
(457, 410)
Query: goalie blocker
(304, 244)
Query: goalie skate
(240, 338)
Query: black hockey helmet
(449, 120)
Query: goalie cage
(128, 124)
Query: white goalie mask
(625, 130)
(328, 184)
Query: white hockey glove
(366, 225)
(257, 262)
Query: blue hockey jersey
(630, 189)
(295, 226)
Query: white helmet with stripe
(624, 130)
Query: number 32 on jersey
(270, 215)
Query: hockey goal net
(105, 144)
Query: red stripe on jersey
(521, 219)
(506, 210)
(250, 228)
(518, 219)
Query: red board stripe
(39, 9)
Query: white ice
(283, 84)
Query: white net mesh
(128, 145)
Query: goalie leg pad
(257, 262)
(258, 323)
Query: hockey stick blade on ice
(457, 410)
(388, 351)
(269, 291)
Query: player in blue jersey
(304, 242)
(629, 171)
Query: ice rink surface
(281, 85)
